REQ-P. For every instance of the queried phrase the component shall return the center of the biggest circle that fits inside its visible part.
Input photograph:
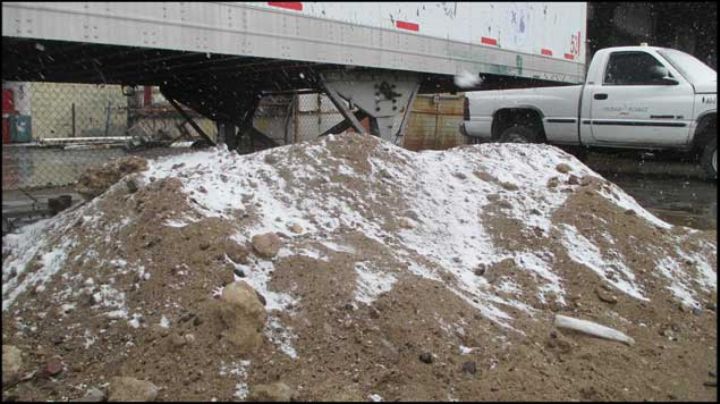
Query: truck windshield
(690, 67)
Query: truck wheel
(519, 134)
(708, 161)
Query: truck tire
(519, 134)
(708, 161)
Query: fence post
(73, 120)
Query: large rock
(11, 364)
(271, 392)
(131, 389)
(96, 180)
(243, 315)
(266, 245)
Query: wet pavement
(672, 189)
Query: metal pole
(73, 119)
(107, 120)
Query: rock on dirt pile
(351, 269)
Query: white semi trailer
(371, 59)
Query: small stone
(480, 270)
(53, 367)
(710, 306)
(270, 392)
(239, 272)
(426, 357)
(176, 166)
(131, 185)
(505, 204)
(460, 175)
(11, 364)
(197, 321)
(697, 311)
(563, 168)
(296, 228)
(202, 189)
(236, 252)
(131, 389)
(270, 159)
(630, 212)
(204, 245)
(93, 395)
(711, 383)
(177, 341)
(266, 245)
(509, 186)
(189, 338)
(587, 180)
(573, 180)
(405, 223)
(243, 316)
(385, 173)
(261, 298)
(553, 182)
(606, 297)
(469, 367)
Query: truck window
(630, 69)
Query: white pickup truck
(638, 97)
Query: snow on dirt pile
(351, 269)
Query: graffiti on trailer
(575, 44)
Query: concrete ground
(672, 189)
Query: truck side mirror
(662, 75)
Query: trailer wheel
(519, 134)
(708, 161)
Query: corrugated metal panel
(434, 123)
(440, 38)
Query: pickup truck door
(635, 107)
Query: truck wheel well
(705, 131)
(506, 118)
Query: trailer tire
(708, 160)
(519, 134)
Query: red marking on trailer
(488, 41)
(410, 26)
(569, 56)
(290, 5)
(545, 52)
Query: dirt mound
(378, 274)
(96, 180)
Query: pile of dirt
(351, 269)
(95, 181)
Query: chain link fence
(54, 132)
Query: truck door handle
(600, 96)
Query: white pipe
(592, 328)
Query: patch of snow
(376, 398)
(338, 248)
(583, 251)
(281, 336)
(164, 322)
(371, 282)
(135, 321)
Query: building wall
(690, 27)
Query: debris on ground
(349, 268)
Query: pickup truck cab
(637, 97)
